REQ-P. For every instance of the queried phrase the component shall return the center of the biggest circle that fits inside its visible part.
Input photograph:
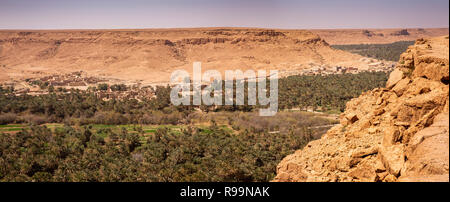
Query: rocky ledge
(396, 133)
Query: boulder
(393, 158)
(351, 118)
(394, 78)
(401, 86)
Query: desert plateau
(149, 56)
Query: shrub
(7, 118)
(118, 87)
(103, 86)
(35, 119)
(113, 118)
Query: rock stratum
(396, 133)
(151, 55)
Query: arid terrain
(93, 105)
(376, 36)
(150, 56)
(396, 133)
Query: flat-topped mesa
(397, 133)
(205, 35)
(151, 55)
(377, 36)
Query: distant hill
(376, 36)
(151, 55)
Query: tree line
(330, 92)
(390, 52)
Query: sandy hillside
(150, 56)
(376, 36)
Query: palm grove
(243, 147)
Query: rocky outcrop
(397, 133)
(403, 32)
(368, 33)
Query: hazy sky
(304, 14)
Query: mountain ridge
(149, 56)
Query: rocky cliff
(396, 133)
(152, 55)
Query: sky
(285, 14)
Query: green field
(131, 128)
(55, 126)
(144, 131)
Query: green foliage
(6, 90)
(390, 51)
(68, 154)
(249, 152)
(88, 108)
(7, 118)
(118, 87)
(328, 92)
(42, 85)
(102, 86)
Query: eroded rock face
(149, 56)
(397, 133)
